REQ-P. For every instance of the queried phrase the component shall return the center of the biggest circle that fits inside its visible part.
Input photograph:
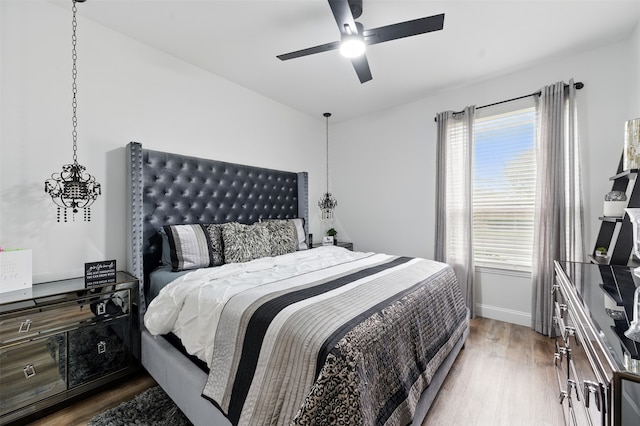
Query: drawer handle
(102, 308)
(102, 347)
(569, 332)
(591, 388)
(29, 371)
(557, 356)
(25, 326)
(571, 384)
(563, 395)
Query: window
(504, 178)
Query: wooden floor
(503, 376)
(82, 411)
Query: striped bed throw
(352, 344)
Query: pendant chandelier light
(328, 202)
(73, 188)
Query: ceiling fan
(354, 37)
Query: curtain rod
(578, 85)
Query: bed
(275, 335)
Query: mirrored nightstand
(60, 339)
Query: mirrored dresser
(60, 339)
(597, 366)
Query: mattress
(160, 278)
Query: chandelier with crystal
(73, 188)
(328, 202)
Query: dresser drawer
(31, 372)
(97, 351)
(564, 326)
(26, 324)
(592, 394)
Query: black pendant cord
(74, 86)
(327, 115)
(578, 85)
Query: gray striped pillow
(189, 247)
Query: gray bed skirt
(184, 381)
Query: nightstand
(348, 246)
(59, 340)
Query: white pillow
(302, 236)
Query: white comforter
(208, 289)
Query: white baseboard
(502, 314)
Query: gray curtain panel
(558, 226)
(454, 204)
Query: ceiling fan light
(352, 47)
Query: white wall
(126, 91)
(385, 168)
(634, 73)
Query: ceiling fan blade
(404, 29)
(361, 65)
(310, 51)
(342, 14)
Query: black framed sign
(98, 273)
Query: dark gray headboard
(173, 189)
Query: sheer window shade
(457, 201)
(504, 175)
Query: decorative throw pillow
(243, 243)
(214, 231)
(283, 237)
(189, 247)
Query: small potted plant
(333, 233)
(601, 252)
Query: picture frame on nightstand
(99, 273)
(327, 240)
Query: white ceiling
(239, 40)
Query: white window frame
(522, 190)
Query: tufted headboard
(173, 189)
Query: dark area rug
(152, 407)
